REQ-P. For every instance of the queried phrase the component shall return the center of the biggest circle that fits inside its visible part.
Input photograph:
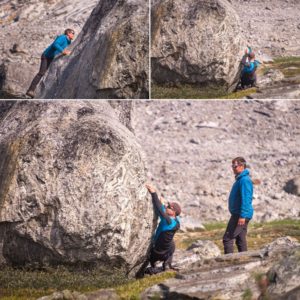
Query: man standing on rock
(57, 47)
(240, 207)
(163, 244)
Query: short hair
(69, 30)
(240, 160)
(252, 55)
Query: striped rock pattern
(72, 185)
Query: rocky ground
(271, 272)
(235, 276)
(271, 27)
(189, 146)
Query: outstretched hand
(150, 188)
(66, 52)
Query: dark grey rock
(109, 58)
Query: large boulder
(109, 58)
(71, 185)
(196, 42)
(27, 28)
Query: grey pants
(235, 232)
(45, 63)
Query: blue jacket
(163, 224)
(57, 47)
(250, 67)
(240, 198)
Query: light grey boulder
(205, 249)
(196, 42)
(27, 28)
(285, 277)
(72, 186)
(109, 59)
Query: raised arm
(157, 203)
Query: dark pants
(248, 79)
(45, 63)
(235, 232)
(165, 257)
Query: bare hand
(241, 221)
(150, 188)
(66, 52)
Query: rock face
(27, 28)
(190, 144)
(234, 276)
(196, 42)
(71, 185)
(109, 58)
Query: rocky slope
(234, 276)
(109, 59)
(271, 27)
(72, 185)
(112, 50)
(195, 42)
(190, 144)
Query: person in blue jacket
(57, 47)
(250, 65)
(240, 207)
(163, 246)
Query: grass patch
(133, 289)
(289, 66)
(247, 295)
(259, 234)
(240, 94)
(31, 284)
(186, 91)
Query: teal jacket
(240, 198)
(164, 225)
(57, 47)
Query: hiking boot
(30, 94)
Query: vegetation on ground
(259, 234)
(30, 284)
(289, 66)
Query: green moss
(133, 289)
(247, 295)
(259, 234)
(186, 91)
(30, 284)
(240, 94)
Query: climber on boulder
(250, 65)
(163, 246)
(56, 48)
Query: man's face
(70, 35)
(237, 168)
(169, 210)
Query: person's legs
(167, 262)
(229, 237)
(45, 63)
(241, 240)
